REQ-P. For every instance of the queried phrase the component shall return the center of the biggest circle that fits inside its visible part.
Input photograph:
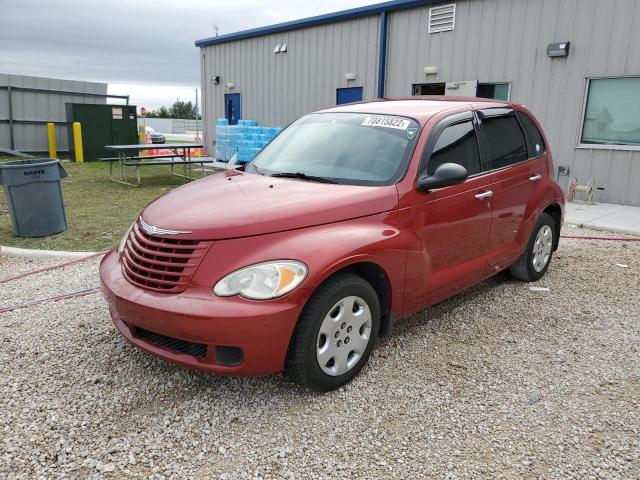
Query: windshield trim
(398, 177)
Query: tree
(162, 112)
(180, 109)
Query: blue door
(348, 95)
(232, 107)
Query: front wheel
(335, 334)
(535, 260)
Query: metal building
(574, 63)
(27, 104)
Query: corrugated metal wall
(277, 88)
(506, 41)
(493, 41)
(39, 106)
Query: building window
(497, 91)
(428, 89)
(611, 112)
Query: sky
(144, 48)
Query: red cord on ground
(52, 267)
(81, 293)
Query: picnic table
(129, 156)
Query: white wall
(171, 125)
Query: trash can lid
(19, 172)
(37, 162)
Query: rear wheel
(335, 334)
(535, 260)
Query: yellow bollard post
(77, 141)
(51, 133)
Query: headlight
(263, 280)
(124, 239)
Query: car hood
(236, 204)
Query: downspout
(382, 54)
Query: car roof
(421, 108)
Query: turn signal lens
(263, 281)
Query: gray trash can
(34, 196)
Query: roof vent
(442, 18)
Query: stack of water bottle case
(240, 143)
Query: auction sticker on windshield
(387, 122)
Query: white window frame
(453, 22)
(583, 112)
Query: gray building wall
(41, 107)
(277, 88)
(493, 41)
(506, 41)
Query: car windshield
(348, 148)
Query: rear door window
(456, 144)
(537, 141)
(505, 142)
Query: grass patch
(98, 210)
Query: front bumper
(260, 329)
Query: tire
(327, 332)
(535, 260)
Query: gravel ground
(498, 382)
(12, 266)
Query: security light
(560, 49)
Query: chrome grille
(159, 263)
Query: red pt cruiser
(352, 218)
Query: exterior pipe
(11, 137)
(382, 54)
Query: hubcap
(542, 248)
(343, 336)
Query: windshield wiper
(303, 176)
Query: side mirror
(445, 175)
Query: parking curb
(42, 254)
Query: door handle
(483, 195)
(535, 178)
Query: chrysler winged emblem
(153, 230)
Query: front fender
(325, 249)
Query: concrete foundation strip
(41, 254)
(615, 239)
